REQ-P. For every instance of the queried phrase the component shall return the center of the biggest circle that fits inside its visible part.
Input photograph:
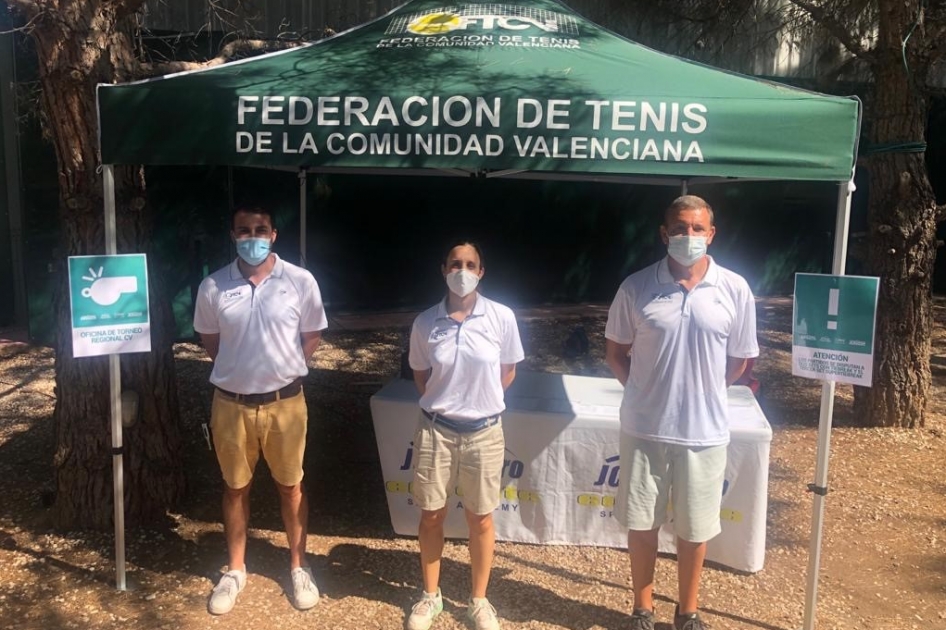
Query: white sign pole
(115, 391)
(303, 182)
(820, 485)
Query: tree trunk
(902, 236)
(80, 43)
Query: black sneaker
(689, 621)
(642, 619)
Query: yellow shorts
(241, 430)
(469, 463)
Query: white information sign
(833, 327)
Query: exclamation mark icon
(833, 307)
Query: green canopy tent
(525, 89)
(525, 86)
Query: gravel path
(884, 558)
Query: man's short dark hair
(253, 208)
(688, 202)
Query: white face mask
(687, 250)
(462, 282)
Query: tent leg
(115, 392)
(841, 227)
(684, 188)
(302, 217)
(820, 485)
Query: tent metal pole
(10, 147)
(819, 488)
(303, 178)
(115, 392)
(684, 185)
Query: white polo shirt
(676, 390)
(259, 327)
(465, 358)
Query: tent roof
(524, 85)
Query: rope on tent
(894, 147)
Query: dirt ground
(884, 552)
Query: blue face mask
(253, 251)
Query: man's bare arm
(734, 369)
(617, 356)
(310, 343)
(420, 380)
(211, 344)
(507, 374)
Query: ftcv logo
(484, 17)
(442, 23)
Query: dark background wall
(377, 242)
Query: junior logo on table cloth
(513, 470)
(606, 481)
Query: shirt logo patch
(232, 295)
(438, 334)
(661, 297)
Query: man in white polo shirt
(678, 334)
(260, 319)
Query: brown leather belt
(290, 390)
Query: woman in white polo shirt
(463, 354)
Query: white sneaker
(425, 611)
(305, 594)
(482, 614)
(224, 594)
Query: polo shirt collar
(479, 308)
(278, 269)
(665, 277)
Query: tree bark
(80, 43)
(902, 229)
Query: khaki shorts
(689, 479)
(241, 430)
(471, 463)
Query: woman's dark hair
(460, 243)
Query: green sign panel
(109, 300)
(833, 327)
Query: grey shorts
(660, 480)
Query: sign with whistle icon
(109, 300)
